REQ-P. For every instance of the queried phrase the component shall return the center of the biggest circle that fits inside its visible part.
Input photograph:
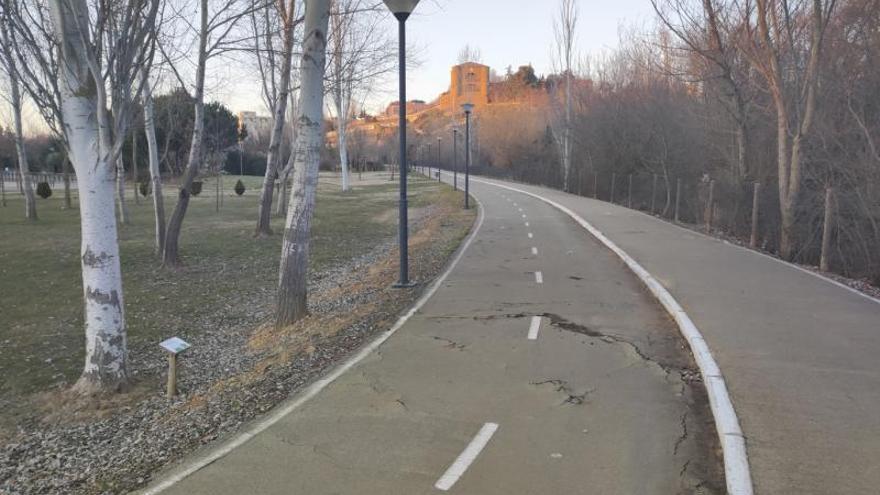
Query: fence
(832, 230)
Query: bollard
(653, 193)
(613, 181)
(677, 198)
(709, 206)
(629, 194)
(595, 185)
(756, 202)
(827, 227)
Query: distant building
(256, 125)
(412, 106)
(468, 83)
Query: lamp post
(401, 10)
(455, 159)
(468, 108)
(438, 158)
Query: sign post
(173, 347)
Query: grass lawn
(226, 270)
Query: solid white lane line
(467, 457)
(530, 235)
(539, 278)
(534, 250)
(733, 445)
(534, 327)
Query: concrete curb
(736, 463)
(184, 470)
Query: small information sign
(175, 345)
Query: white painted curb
(185, 470)
(733, 446)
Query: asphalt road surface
(539, 366)
(798, 352)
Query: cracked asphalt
(605, 400)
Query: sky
(507, 33)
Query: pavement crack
(683, 436)
(688, 375)
(572, 397)
(684, 468)
(451, 344)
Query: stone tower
(469, 84)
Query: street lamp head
(401, 8)
(468, 107)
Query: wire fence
(746, 213)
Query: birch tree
(564, 30)
(360, 54)
(89, 129)
(8, 63)
(285, 13)
(153, 156)
(293, 272)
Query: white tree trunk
(106, 352)
(566, 145)
(293, 276)
(30, 201)
(343, 150)
(153, 150)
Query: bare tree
(704, 29)
(470, 53)
(84, 77)
(215, 34)
(773, 47)
(293, 276)
(564, 28)
(360, 54)
(9, 66)
(285, 13)
(153, 154)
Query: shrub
(196, 188)
(145, 188)
(239, 187)
(43, 190)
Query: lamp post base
(407, 285)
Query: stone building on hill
(468, 83)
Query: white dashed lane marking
(534, 328)
(467, 457)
